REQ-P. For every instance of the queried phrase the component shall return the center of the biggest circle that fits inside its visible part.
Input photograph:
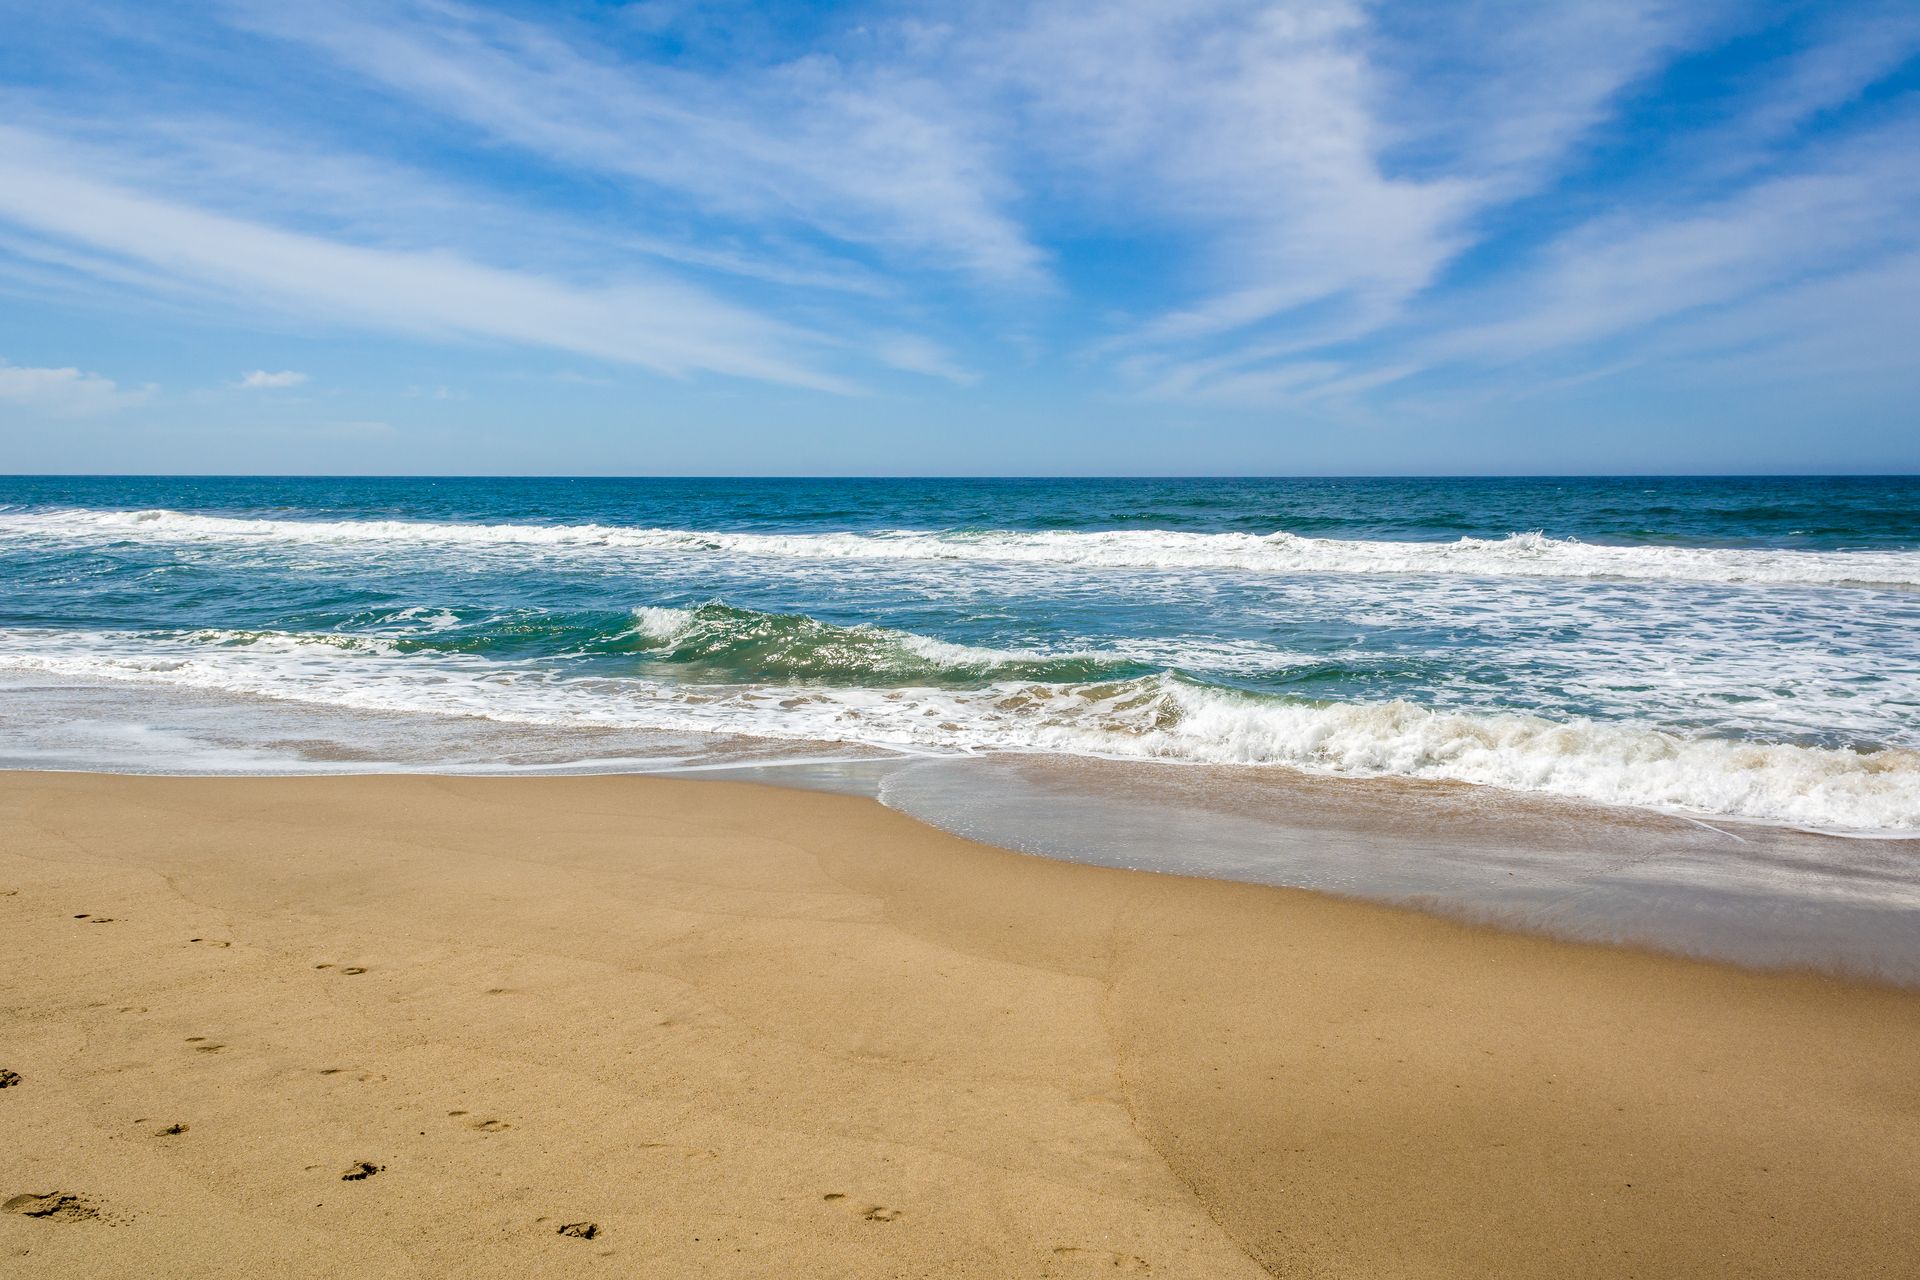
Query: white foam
(421, 618)
(1610, 763)
(657, 623)
(1159, 717)
(962, 657)
(1517, 555)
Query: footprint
(362, 1171)
(54, 1206)
(1101, 1260)
(210, 942)
(872, 1213)
(349, 969)
(203, 1045)
(491, 1126)
(90, 919)
(364, 1077)
(8, 1079)
(579, 1230)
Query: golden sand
(646, 1027)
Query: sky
(1183, 237)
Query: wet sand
(651, 1027)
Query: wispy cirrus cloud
(867, 154)
(1738, 224)
(1854, 47)
(1325, 175)
(1251, 129)
(255, 171)
(659, 324)
(1628, 274)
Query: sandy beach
(620, 1026)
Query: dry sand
(643, 1027)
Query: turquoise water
(1730, 648)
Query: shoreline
(743, 1029)
(1760, 895)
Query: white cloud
(269, 175)
(868, 155)
(66, 392)
(1328, 172)
(1625, 275)
(1319, 179)
(911, 353)
(1800, 272)
(1251, 126)
(1859, 45)
(261, 380)
(1506, 92)
(1851, 323)
(663, 325)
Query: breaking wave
(1041, 706)
(1516, 555)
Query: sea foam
(1516, 555)
(1154, 717)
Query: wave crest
(749, 645)
(1516, 555)
(1158, 717)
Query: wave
(1516, 555)
(749, 645)
(1160, 716)
(712, 642)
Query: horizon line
(981, 476)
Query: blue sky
(1183, 237)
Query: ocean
(1738, 654)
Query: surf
(1526, 554)
(1161, 716)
